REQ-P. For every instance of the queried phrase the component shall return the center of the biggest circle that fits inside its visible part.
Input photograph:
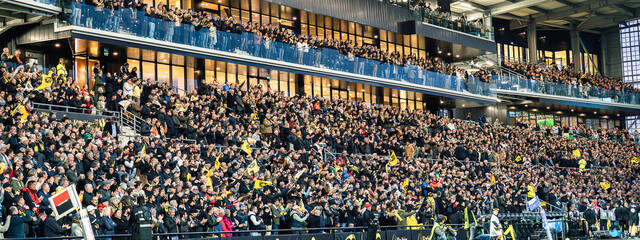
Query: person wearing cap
(298, 217)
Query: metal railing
(130, 119)
(334, 233)
(67, 109)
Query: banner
(533, 204)
(545, 223)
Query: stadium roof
(17, 12)
(584, 15)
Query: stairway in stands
(130, 126)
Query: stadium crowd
(553, 73)
(255, 163)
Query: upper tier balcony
(132, 28)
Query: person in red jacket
(31, 197)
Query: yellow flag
(253, 168)
(142, 153)
(405, 184)
(518, 158)
(260, 184)
(605, 185)
(23, 111)
(216, 165)
(393, 160)
(102, 123)
(511, 232)
(492, 179)
(635, 160)
(209, 183)
(576, 153)
(46, 81)
(246, 147)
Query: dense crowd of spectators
(556, 74)
(256, 164)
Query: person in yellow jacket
(582, 164)
(61, 70)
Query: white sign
(65, 202)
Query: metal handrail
(184, 140)
(299, 231)
(131, 120)
(68, 109)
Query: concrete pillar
(575, 48)
(532, 38)
(604, 53)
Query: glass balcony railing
(512, 83)
(131, 22)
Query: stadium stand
(140, 108)
(255, 163)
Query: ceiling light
(448, 54)
(463, 105)
(457, 55)
(548, 107)
(572, 110)
(115, 53)
(526, 105)
(57, 45)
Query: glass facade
(560, 58)
(560, 119)
(163, 67)
(630, 54)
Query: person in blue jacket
(16, 227)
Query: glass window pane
(163, 73)
(149, 71)
(177, 78)
(148, 55)
(177, 59)
(133, 52)
(163, 57)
